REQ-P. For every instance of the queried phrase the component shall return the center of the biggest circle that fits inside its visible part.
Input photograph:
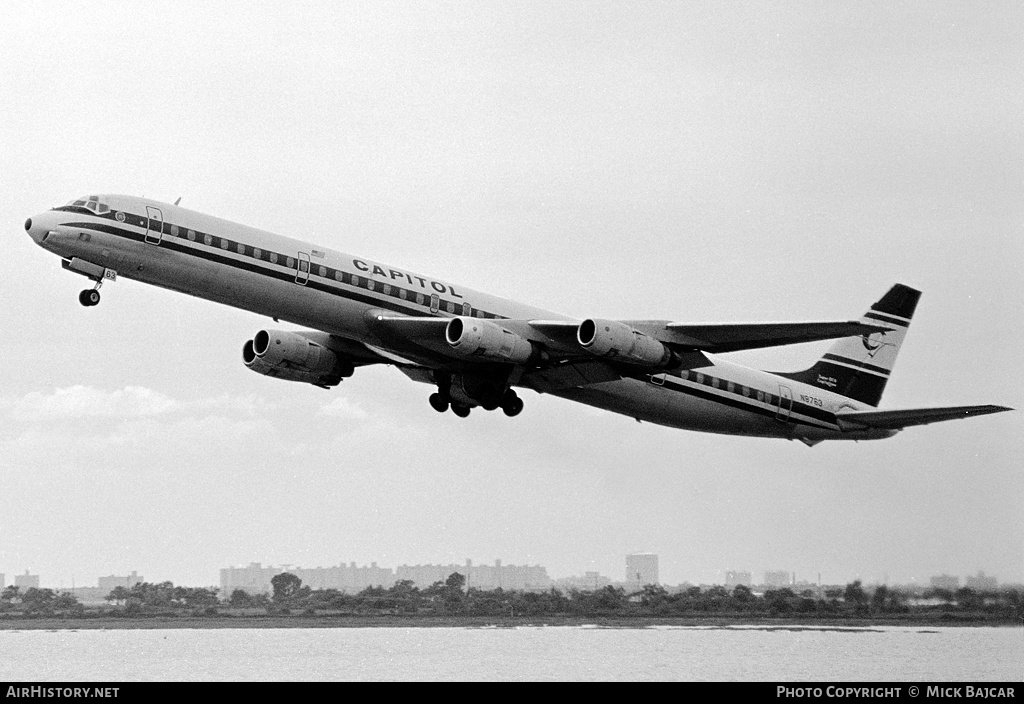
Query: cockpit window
(92, 203)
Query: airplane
(477, 349)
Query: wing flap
(898, 419)
(569, 375)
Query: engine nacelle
(294, 357)
(615, 340)
(474, 337)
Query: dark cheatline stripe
(852, 362)
(827, 419)
(250, 264)
(887, 319)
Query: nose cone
(38, 226)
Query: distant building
(980, 583)
(777, 579)
(2, 582)
(89, 596)
(486, 577)
(345, 578)
(946, 581)
(26, 581)
(589, 582)
(735, 579)
(108, 584)
(256, 579)
(642, 568)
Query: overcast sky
(697, 162)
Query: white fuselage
(334, 292)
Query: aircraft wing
(898, 419)
(723, 337)
(559, 336)
(732, 337)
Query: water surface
(800, 653)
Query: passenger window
(323, 271)
(715, 381)
(467, 309)
(257, 252)
(174, 230)
(241, 248)
(479, 314)
(370, 284)
(745, 390)
(273, 257)
(730, 387)
(699, 378)
(208, 239)
(192, 235)
(402, 293)
(289, 262)
(224, 244)
(419, 298)
(451, 306)
(386, 288)
(337, 276)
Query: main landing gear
(90, 296)
(511, 405)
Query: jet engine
(294, 357)
(474, 337)
(615, 340)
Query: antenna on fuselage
(177, 201)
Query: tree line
(451, 598)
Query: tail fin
(859, 367)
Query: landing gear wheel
(89, 297)
(511, 404)
(438, 402)
(460, 410)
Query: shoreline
(393, 621)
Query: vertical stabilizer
(859, 367)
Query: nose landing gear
(90, 296)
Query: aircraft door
(302, 270)
(155, 226)
(785, 403)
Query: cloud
(342, 407)
(87, 402)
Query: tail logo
(872, 346)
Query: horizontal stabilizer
(897, 419)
